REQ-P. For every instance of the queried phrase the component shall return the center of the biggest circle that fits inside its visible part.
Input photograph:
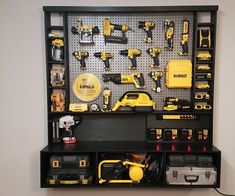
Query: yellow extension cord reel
(87, 87)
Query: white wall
(23, 96)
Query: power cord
(223, 193)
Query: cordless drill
(148, 27)
(156, 76)
(169, 33)
(154, 53)
(185, 37)
(108, 28)
(132, 54)
(105, 56)
(81, 56)
(69, 122)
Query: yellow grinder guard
(87, 87)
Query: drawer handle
(191, 178)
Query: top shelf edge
(204, 8)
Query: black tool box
(180, 141)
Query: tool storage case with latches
(130, 95)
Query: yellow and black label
(87, 87)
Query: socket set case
(191, 175)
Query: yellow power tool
(148, 26)
(185, 37)
(169, 33)
(205, 38)
(81, 56)
(57, 101)
(156, 76)
(108, 28)
(106, 100)
(57, 49)
(85, 32)
(117, 78)
(154, 53)
(105, 56)
(140, 101)
(111, 170)
(132, 54)
(136, 172)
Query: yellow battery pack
(179, 74)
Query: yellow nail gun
(136, 78)
(140, 101)
(108, 28)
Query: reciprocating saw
(137, 79)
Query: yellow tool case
(179, 74)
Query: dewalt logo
(180, 75)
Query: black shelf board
(129, 9)
(205, 49)
(204, 79)
(205, 24)
(204, 62)
(179, 112)
(203, 71)
(59, 28)
(53, 38)
(56, 87)
(127, 146)
(156, 185)
(88, 112)
(206, 111)
(158, 112)
(191, 186)
(203, 90)
(203, 100)
(56, 62)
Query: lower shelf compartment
(64, 166)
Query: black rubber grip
(158, 83)
(170, 43)
(156, 60)
(185, 48)
(134, 62)
(83, 63)
(141, 80)
(106, 63)
(149, 34)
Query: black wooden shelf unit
(117, 135)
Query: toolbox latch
(207, 175)
(175, 174)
